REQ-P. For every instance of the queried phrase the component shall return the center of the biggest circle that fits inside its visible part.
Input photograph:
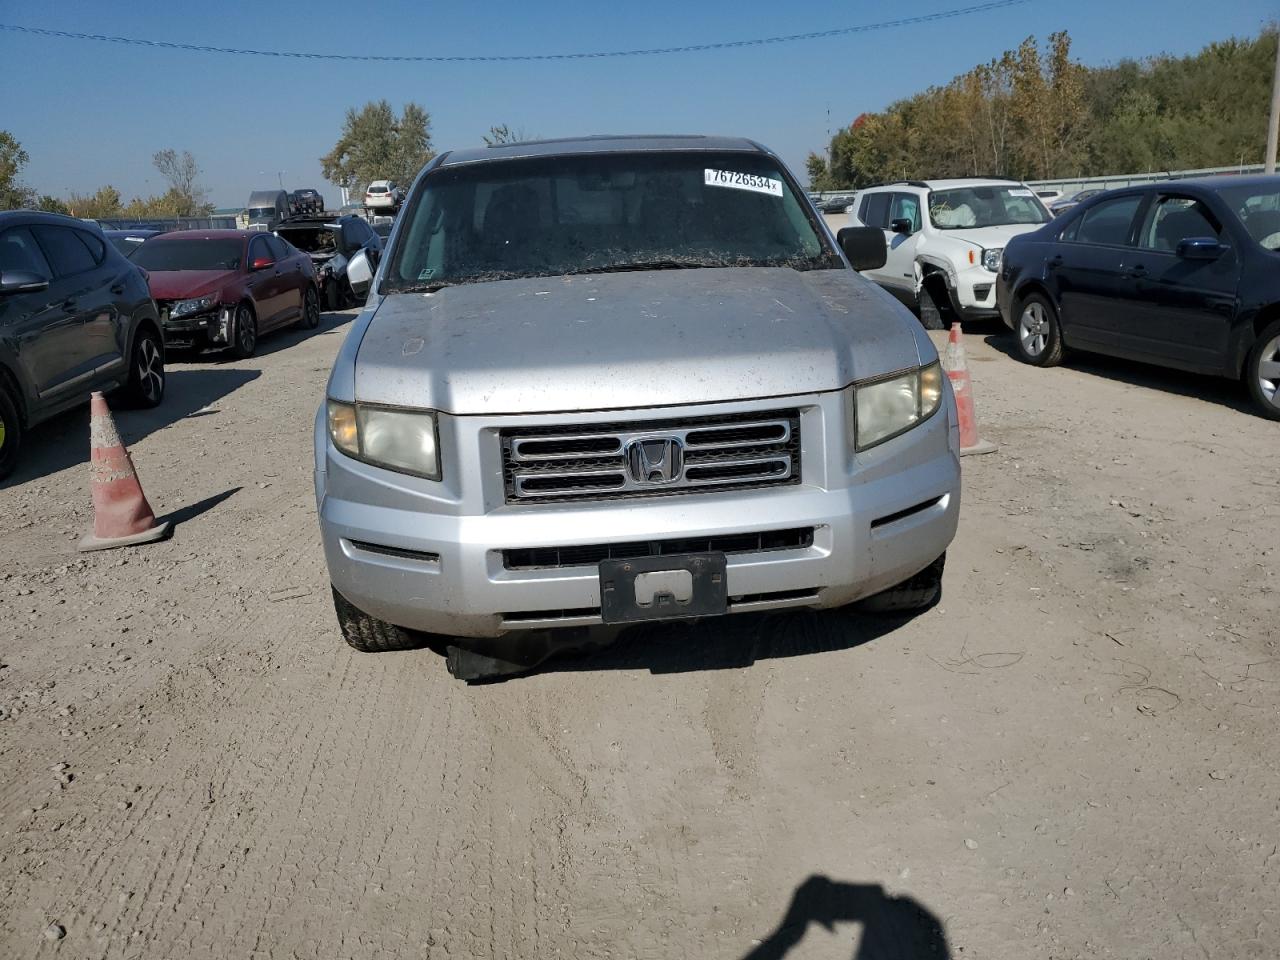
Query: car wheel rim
(245, 333)
(4, 431)
(1269, 372)
(1033, 329)
(150, 370)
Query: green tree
(506, 134)
(103, 204)
(49, 204)
(183, 174)
(377, 145)
(13, 158)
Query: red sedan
(225, 288)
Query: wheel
(1262, 372)
(311, 309)
(930, 310)
(369, 634)
(332, 295)
(915, 593)
(1036, 334)
(244, 339)
(146, 370)
(10, 431)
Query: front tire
(10, 431)
(369, 634)
(1037, 335)
(244, 339)
(311, 309)
(915, 593)
(1262, 372)
(930, 310)
(146, 370)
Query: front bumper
(973, 294)
(428, 555)
(195, 330)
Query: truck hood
(627, 340)
(185, 284)
(988, 237)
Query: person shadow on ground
(893, 928)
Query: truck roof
(676, 142)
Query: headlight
(400, 440)
(991, 259)
(194, 305)
(885, 408)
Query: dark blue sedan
(1182, 273)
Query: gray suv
(613, 380)
(75, 316)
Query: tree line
(1035, 113)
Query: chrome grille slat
(549, 464)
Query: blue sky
(91, 113)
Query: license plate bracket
(676, 587)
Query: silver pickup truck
(613, 380)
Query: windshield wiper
(431, 287)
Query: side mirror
(261, 263)
(902, 225)
(864, 246)
(360, 273)
(22, 281)
(1200, 248)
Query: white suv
(944, 240)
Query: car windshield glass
(1258, 208)
(986, 206)
(593, 214)
(162, 255)
(127, 245)
(257, 212)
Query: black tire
(1264, 359)
(244, 333)
(369, 634)
(10, 431)
(916, 593)
(1037, 335)
(931, 317)
(332, 296)
(146, 370)
(311, 308)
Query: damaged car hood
(185, 284)
(626, 340)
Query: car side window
(279, 249)
(19, 251)
(877, 210)
(1109, 223)
(1173, 219)
(64, 249)
(97, 246)
(906, 206)
(258, 249)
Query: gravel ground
(1072, 755)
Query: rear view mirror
(22, 281)
(901, 225)
(360, 273)
(864, 246)
(1200, 248)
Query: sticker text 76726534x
(742, 181)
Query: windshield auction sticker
(742, 181)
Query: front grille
(604, 462)
(534, 558)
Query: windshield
(127, 245)
(564, 215)
(159, 256)
(985, 206)
(259, 213)
(1258, 208)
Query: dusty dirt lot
(1073, 755)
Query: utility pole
(1273, 128)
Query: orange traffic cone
(121, 515)
(957, 368)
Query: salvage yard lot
(1072, 755)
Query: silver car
(613, 380)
